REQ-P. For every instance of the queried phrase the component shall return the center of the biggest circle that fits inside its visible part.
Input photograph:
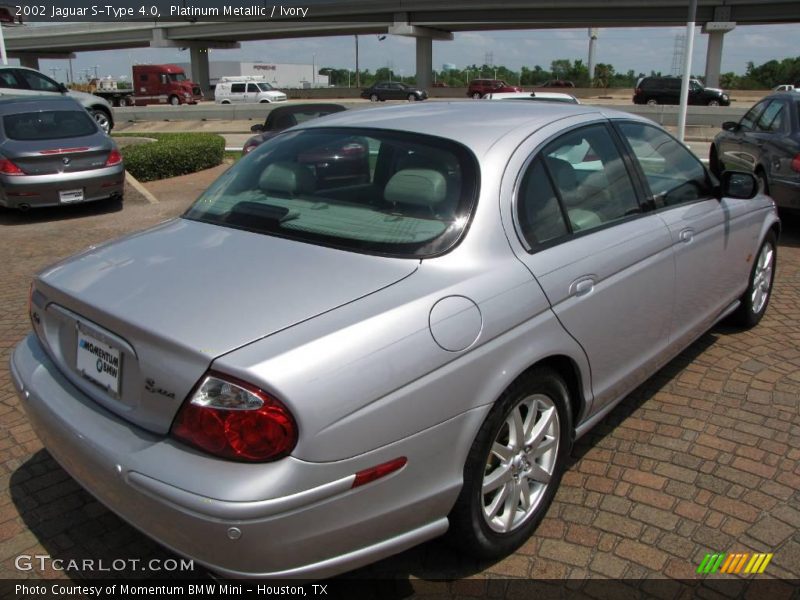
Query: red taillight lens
(232, 419)
(9, 168)
(796, 163)
(114, 158)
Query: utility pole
(687, 69)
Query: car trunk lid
(137, 322)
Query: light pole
(358, 75)
(313, 70)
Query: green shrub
(173, 154)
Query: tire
(763, 184)
(493, 524)
(412, 98)
(123, 101)
(651, 102)
(712, 102)
(174, 100)
(374, 98)
(713, 162)
(103, 119)
(756, 298)
(477, 96)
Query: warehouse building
(279, 75)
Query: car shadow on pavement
(71, 525)
(790, 229)
(58, 213)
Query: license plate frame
(98, 360)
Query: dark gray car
(53, 152)
(766, 142)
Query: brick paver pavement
(701, 458)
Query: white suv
(21, 81)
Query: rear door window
(38, 82)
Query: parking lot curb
(130, 179)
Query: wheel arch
(106, 111)
(569, 371)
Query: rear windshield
(371, 191)
(49, 125)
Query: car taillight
(796, 163)
(233, 419)
(248, 147)
(9, 168)
(114, 158)
(637, 91)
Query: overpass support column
(199, 56)
(716, 30)
(32, 62)
(424, 62)
(425, 37)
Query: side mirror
(730, 126)
(62, 88)
(257, 128)
(738, 184)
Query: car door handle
(582, 286)
(686, 236)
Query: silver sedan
(385, 326)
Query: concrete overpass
(425, 20)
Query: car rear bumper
(322, 530)
(45, 190)
(786, 192)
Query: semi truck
(151, 84)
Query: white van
(246, 89)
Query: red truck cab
(163, 84)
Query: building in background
(279, 75)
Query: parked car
(534, 97)
(246, 90)
(478, 88)
(667, 90)
(21, 81)
(786, 87)
(766, 142)
(52, 152)
(562, 83)
(284, 117)
(393, 90)
(357, 369)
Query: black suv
(667, 90)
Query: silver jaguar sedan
(383, 326)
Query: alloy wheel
(762, 278)
(521, 463)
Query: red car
(478, 88)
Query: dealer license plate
(69, 196)
(99, 361)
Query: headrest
(287, 178)
(421, 187)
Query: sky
(642, 49)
